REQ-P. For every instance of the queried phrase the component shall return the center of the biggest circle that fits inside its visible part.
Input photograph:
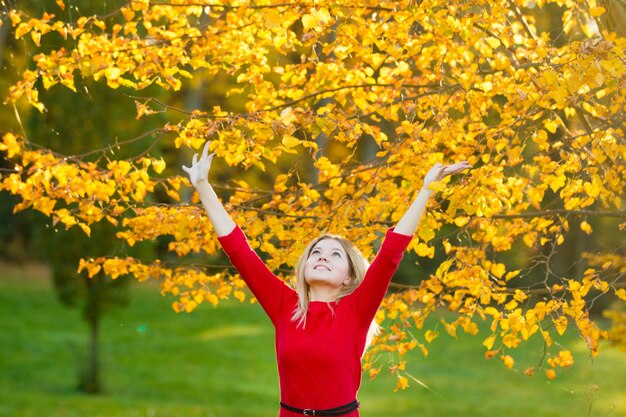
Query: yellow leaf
(451, 328)
(488, 342)
(423, 249)
(491, 353)
(15, 18)
(85, 228)
(324, 15)
(100, 24)
(289, 141)
(190, 306)
(593, 188)
(541, 139)
(437, 186)
(551, 125)
(287, 116)
(158, 165)
(426, 233)
(586, 227)
(486, 86)
(597, 11)
(316, 19)
(21, 30)
(555, 182)
(271, 19)
(92, 268)
(430, 335)
(377, 59)
(11, 145)
(127, 13)
(309, 21)
(403, 383)
(36, 36)
(565, 359)
(511, 274)
(44, 205)
(498, 270)
(461, 221)
(546, 337)
(621, 293)
(561, 324)
(508, 361)
(493, 42)
(550, 77)
(520, 295)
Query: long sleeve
(369, 295)
(268, 289)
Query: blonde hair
(358, 267)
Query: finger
(458, 167)
(186, 169)
(194, 160)
(205, 151)
(463, 166)
(210, 157)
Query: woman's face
(327, 264)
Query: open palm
(199, 170)
(440, 171)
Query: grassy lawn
(220, 362)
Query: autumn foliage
(347, 104)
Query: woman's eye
(336, 254)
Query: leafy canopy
(352, 103)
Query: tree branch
(545, 213)
(519, 15)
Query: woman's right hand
(199, 170)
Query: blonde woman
(321, 327)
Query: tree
(540, 115)
(62, 249)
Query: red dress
(319, 366)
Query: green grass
(220, 362)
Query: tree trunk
(90, 378)
(4, 30)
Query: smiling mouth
(318, 267)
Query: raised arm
(409, 221)
(266, 287)
(368, 296)
(199, 177)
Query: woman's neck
(324, 293)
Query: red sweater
(319, 366)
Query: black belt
(337, 411)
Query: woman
(322, 326)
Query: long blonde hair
(358, 268)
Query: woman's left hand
(439, 171)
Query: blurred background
(73, 346)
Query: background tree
(368, 97)
(27, 237)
